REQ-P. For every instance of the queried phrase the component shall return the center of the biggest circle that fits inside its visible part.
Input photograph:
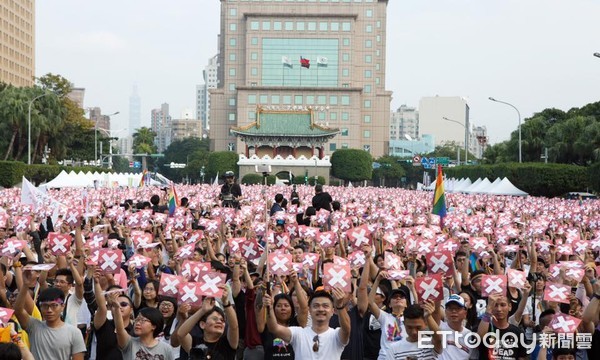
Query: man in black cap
(231, 193)
(322, 199)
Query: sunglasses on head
(316, 343)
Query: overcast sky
(532, 53)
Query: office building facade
(328, 57)
(17, 42)
(404, 124)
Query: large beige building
(17, 42)
(261, 44)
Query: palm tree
(143, 140)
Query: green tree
(221, 161)
(352, 165)
(190, 151)
(389, 172)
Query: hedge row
(11, 172)
(537, 179)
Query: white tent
(472, 186)
(465, 183)
(505, 187)
(479, 187)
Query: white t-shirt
(330, 344)
(392, 330)
(73, 306)
(404, 350)
(455, 350)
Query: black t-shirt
(106, 337)
(276, 348)
(322, 201)
(371, 336)
(219, 350)
(506, 348)
(354, 349)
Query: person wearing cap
(455, 315)
(231, 192)
(322, 199)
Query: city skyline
(510, 50)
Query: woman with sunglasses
(146, 327)
(105, 330)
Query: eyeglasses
(316, 343)
(124, 304)
(61, 281)
(166, 304)
(216, 319)
(141, 320)
(49, 306)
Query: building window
(232, 72)
(368, 43)
(231, 116)
(312, 26)
(368, 73)
(346, 42)
(251, 115)
(323, 26)
(367, 133)
(335, 26)
(310, 99)
(300, 26)
(378, 24)
(367, 148)
(321, 116)
(344, 132)
(289, 25)
(254, 41)
(231, 146)
(254, 56)
(232, 102)
(287, 100)
(377, 67)
(369, 13)
(251, 99)
(254, 71)
(333, 116)
(345, 26)
(345, 57)
(345, 116)
(321, 100)
(266, 25)
(368, 89)
(233, 12)
(367, 118)
(254, 25)
(232, 57)
(369, 28)
(378, 38)
(277, 25)
(368, 58)
(297, 99)
(377, 81)
(233, 27)
(232, 42)
(332, 147)
(232, 87)
(345, 100)
(263, 99)
(344, 145)
(333, 100)
(367, 103)
(275, 99)
(345, 72)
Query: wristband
(487, 317)
(340, 308)
(597, 296)
(226, 306)
(17, 264)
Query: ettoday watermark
(507, 341)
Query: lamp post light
(202, 173)
(466, 139)
(110, 150)
(96, 137)
(597, 55)
(29, 125)
(412, 148)
(518, 113)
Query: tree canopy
(352, 165)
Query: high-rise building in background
(135, 111)
(161, 124)
(433, 110)
(77, 95)
(100, 121)
(209, 75)
(17, 52)
(185, 127)
(478, 141)
(404, 123)
(328, 58)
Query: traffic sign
(424, 161)
(157, 155)
(416, 160)
(131, 164)
(432, 162)
(444, 161)
(137, 164)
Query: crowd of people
(257, 272)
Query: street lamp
(412, 150)
(597, 55)
(202, 173)
(110, 150)
(466, 140)
(29, 125)
(96, 136)
(518, 113)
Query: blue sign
(424, 161)
(137, 164)
(432, 162)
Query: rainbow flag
(144, 178)
(439, 198)
(173, 200)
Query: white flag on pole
(286, 61)
(31, 195)
(216, 183)
(322, 60)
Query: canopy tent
(505, 187)
(478, 187)
(81, 179)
